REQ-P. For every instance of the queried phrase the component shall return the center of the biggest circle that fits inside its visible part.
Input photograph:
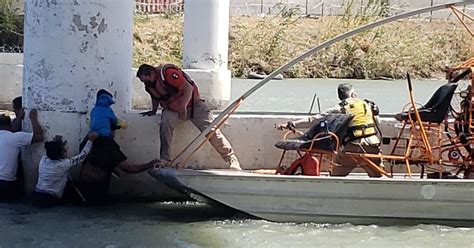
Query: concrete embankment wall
(11, 77)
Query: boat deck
(357, 175)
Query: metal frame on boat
(205, 135)
(434, 136)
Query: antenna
(312, 103)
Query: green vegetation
(262, 44)
(11, 25)
(158, 39)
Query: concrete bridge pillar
(206, 42)
(72, 49)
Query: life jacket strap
(361, 127)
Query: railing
(159, 6)
(11, 49)
(304, 7)
(338, 7)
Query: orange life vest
(169, 79)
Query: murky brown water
(197, 225)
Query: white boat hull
(330, 199)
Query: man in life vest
(177, 93)
(362, 134)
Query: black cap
(344, 91)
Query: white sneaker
(233, 163)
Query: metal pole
(307, 7)
(322, 10)
(319, 106)
(312, 103)
(463, 10)
(261, 6)
(431, 12)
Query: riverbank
(262, 44)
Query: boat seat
(318, 133)
(436, 109)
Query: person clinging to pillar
(10, 145)
(178, 94)
(19, 114)
(105, 156)
(53, 171)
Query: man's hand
(289, 125)
(93, 136)
(38, 134)
(148, 113)
(34, 115)
(281, 126)
(158, 163)
(183, 114)
(21, 114)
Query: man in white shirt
(10, 145)
(54, 171)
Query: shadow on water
(187, 212)
(129, 224)
(180, 212)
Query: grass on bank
(262, 44)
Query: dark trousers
(94, 184)
(44, 200)
(10, 190)
(13, 190)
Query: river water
(296, 95)
(197, 225)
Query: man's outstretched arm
(154, 106)
(133, 169)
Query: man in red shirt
(177, 93)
